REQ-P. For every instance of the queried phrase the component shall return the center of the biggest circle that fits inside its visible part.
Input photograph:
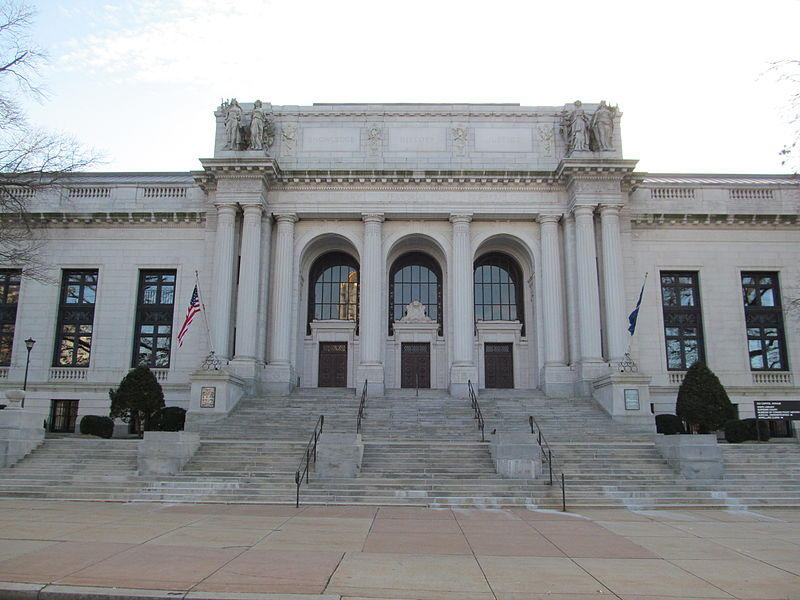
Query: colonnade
(571, 330)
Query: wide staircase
(418, 450)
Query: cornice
(105, 219)
(653, 220)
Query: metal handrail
(549, 457)
(310, 454)
(473, 398)
(361, 406)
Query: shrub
(702, 401)
(139, 398)
(669, 424)
(96, 425)
(171, 418)
(737, 431)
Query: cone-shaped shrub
(702, 401)
(138, 398)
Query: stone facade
(544, 188)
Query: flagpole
(205, 316)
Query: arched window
(415, 276)
(333, 288)
(498, 289)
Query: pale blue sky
(139, 80)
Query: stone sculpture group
(585, 134)
(259, 134)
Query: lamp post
(29, 345)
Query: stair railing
(309, 457)
(549, 458)
(361, 406)
(473, 398)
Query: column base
(279, 379)
(558, 381)
(373, 374)
(460, 376)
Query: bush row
(171, 418)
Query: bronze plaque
(208, 397)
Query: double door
(498, 363)
(415, 365)
(332, 364)
(63, 414)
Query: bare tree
(788, 72)
(31, 159)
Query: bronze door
(415, 365)
(499, 365)
(332, 364)
(63, 415)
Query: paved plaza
(87, 550)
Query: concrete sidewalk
(104, 550)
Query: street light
(29, 345)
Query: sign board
(631, 399)
(208, 397)
(779, 410)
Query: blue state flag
(635, 314)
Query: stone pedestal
(20, 433)
(165, 452)
(15, 399)
(516, 455)
(692, 456)
(339, 454)
(214, 392)
(626, 397)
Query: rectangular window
(9, 297)
(683, 325)
(154, 308)
(75, 318)
(764, 321)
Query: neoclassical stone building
(410, 245)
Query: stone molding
(649, 220)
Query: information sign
(778, 410)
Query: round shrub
(669, 424)
(702, 401)
(171, 418)
(744, 430)
(96, 425)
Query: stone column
(572, 289)
(372, 328)
(280, 377)
(224, 256)
(552, 296)
(462, 369)
(588, 292)
(263, 296)
(249, 281)
(613, 284)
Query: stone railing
(750, 194)
(161, 374)
(672, 193)
(767, 378)
(164, 192)
(67, 374)
(676, 377)
(90, 192)
(3, 372)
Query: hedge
(96, 425)
(745, 430)
(171, 418)
(669, 424)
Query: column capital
(583, 209)
(372, 217)
(549, 218)
(285, 217)
(610, 208)
(461, 218)
(252, 208)
(226, 207)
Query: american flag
(194, 308)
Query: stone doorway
(415, 365)
(498, 361)
(332, 364)
(63, 415)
